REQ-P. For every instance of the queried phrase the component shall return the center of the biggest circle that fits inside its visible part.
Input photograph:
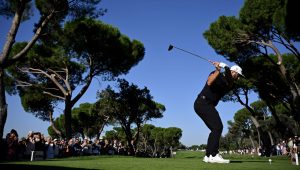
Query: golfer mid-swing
(217, 85)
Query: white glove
(223, 65)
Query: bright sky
(174, 78)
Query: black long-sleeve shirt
(220, 86)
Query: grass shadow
(38, 167)
(190, 157)
(256, 161)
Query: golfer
(217, 85)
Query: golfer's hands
(217, 65)
(223, 65)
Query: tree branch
(23, 83)
(51, 77)
(56, 96)
(86, 86)
(61, 78)
(32, 41)
(12, 32)
(67, 79)
(53, 125)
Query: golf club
(172, 46)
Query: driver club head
(170, 47)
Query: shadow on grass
(248, 161)
(8, 166)
(191, 157)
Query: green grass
(186, 160)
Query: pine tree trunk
(3, 105)
(271, 138)
(68, 117)
(130, 145)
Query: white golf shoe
(217, 159)
(205, 159)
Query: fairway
(187, 160)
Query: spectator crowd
(15, 149)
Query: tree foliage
(87, 48)
(52, 15)
(129, 106)
(8, 8)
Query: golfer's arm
(212, 77)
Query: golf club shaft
(192, 53)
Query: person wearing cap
(217, 85)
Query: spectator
(12, 142)
(56, 148)
(76, 148)
(102, 144)
(49, 148)
(39, 144)
(284, 148)
(96, 147)
(22, 148)
(61, 148)
(278, 149)
(85, 147)
(68, 149)
(290, 145)
(30, 145)
(121, 149)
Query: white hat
(237, 69)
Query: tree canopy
(129, 106)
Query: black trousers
(208, 113)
